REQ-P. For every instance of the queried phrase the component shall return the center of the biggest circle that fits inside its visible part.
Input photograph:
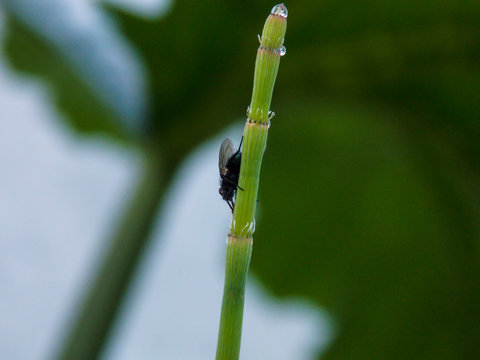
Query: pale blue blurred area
(60, 196)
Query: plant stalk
(240, 241)
(97, 314)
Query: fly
(229, 167)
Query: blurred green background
(370, 192)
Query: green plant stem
(97, 314)
(240, 241)
(237, 264)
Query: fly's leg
(231, 182)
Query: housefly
(229, 167)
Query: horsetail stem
(240, 241)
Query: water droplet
(280, 10)
(283, 50)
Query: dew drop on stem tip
(280, 10)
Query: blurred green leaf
(420, 58)
(29, 53)
(359, 217)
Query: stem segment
(240, 241)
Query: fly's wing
(226, 151)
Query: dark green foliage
(370, 190)
(368, 226)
